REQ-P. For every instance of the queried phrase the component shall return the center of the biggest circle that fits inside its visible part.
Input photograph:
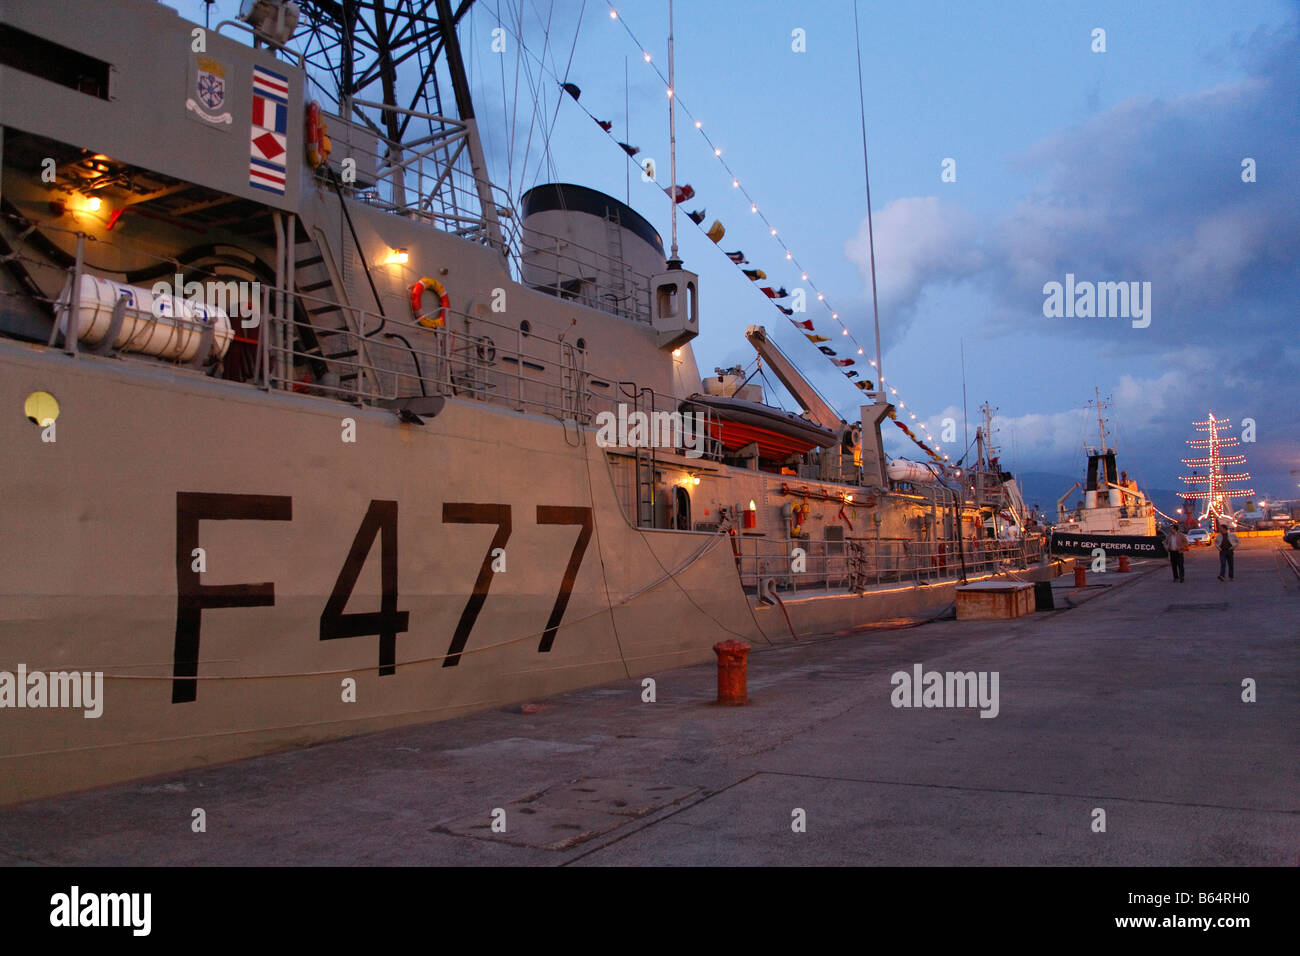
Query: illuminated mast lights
(1216, 494)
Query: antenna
(672, 126)
(627, 137)
(871, 238)
(1101, 425)
(965, 435)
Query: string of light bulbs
(773, 232)
(754, 209)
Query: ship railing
(427, 178)
(830, 464)
(261, 39)
(393, 362)
(370, 359)
(859, 563)
(604, 281)
(693, 423)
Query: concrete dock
(1121, 737)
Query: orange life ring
(417, 303)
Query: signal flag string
(717, 228)
(716, 231)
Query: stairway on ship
(321, 292)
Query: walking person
(1176, 544)
(1227, 543)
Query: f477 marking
(380, 521)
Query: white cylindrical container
(1090, 499)
(162, 325)
(1116, 498)
(900, 469)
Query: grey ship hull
(93, 578)
(247, 581)
(96, 536)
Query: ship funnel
(583, 245)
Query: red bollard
(731, 672)
(1123, 564)
(1080, 577)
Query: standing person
(1176, 544)
(1227, 543)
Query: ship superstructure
(1114, 515)
(321, 433)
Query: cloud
(919, 242)
(1150, 190)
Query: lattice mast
(376, 63)
(1215, 490)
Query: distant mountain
(1042, 488)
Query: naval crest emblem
(211, 84)
(207, 91)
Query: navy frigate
(312, 430)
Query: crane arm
(798, 386)
(1060, 502)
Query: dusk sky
(1116, 166)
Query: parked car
(1292, 536)
(1198, 536)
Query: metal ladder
(615, 287)
(646, 460)
(338, 342)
